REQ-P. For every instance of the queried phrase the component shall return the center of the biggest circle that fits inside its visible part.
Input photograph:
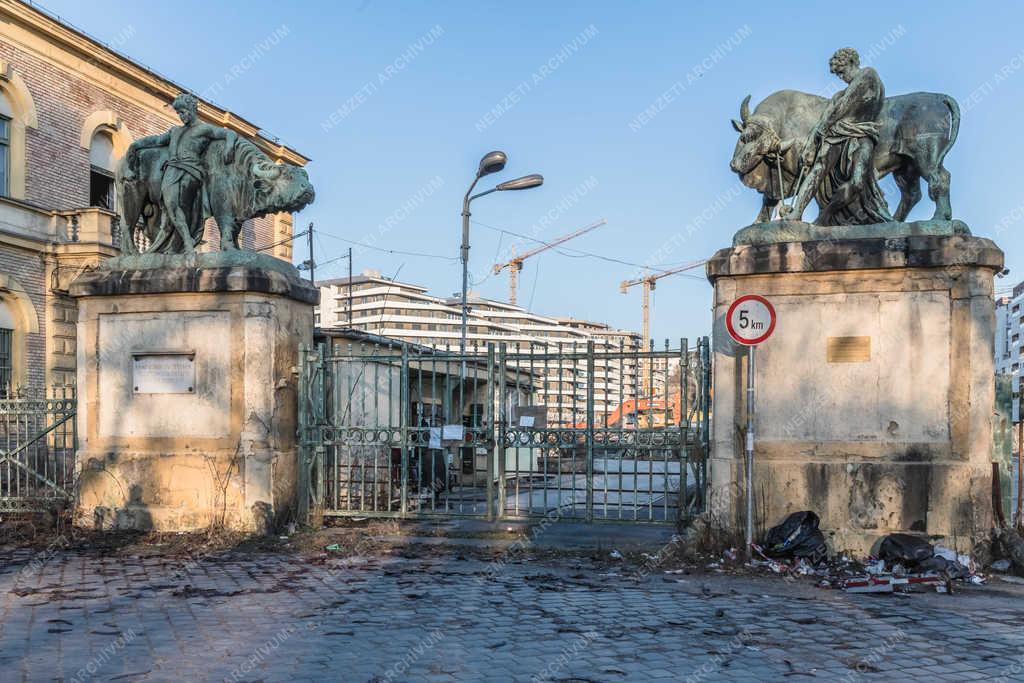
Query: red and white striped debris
(887, 583)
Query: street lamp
(492, 162)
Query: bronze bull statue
(917, 131)
(238, 186)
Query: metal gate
(37, 451)
(389, 429)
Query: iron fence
(570, 431)
(37, 449)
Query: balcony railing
(89, 225)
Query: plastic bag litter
(803, 568)
(1001, 565)
(875, 567)
(797, 536)
(954, 556)
(940, 565)
(905, 548)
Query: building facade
(405, 311)
(69, 108)
(1009, 346)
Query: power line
(390, 251)
(284, 241)
(536, 276)
(586, 254)
(330, 261)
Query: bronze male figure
(183, 173)
(839, 152)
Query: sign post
(750, 320)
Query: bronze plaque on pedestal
(849, 349)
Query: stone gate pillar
(187, 395)
(875, 393)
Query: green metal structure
(504, 432)
(37, 450)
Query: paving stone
(279, 617)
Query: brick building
(69, 108)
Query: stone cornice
(77, 43)
(856, 254)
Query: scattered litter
(905, 548)
(1001, 565)
(616, 555)
(875, 567)
(887, 584)
(334, 547)
(731, 554)
(954, 556)
(774, 565)
(940, 565)
(803, 568)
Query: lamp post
(492, 162)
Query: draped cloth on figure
(869, 205)
(850, 129)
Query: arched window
(102, 162)
(17, 112)
(6, 349)
(6, 117)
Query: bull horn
(745, 109)
(262, 171)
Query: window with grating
(6, 360)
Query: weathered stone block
(213, 441)
(894, 436)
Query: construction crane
(649, 281)
(515, 264)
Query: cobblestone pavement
(446, 617)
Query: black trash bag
(905, 549)
(943, 567)
(797, 536)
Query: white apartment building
(407, 312)
(1009, 350)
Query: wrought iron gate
(568, 431)
(37, 451)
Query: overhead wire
(536, 275)
(586, 254)
(390, 251)
(284, 241)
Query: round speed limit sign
(750, 320)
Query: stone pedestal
(187, 395)
(875, 393)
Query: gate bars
(390, 429)
(37, 450)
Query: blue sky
(403, 143)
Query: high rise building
(406, 311)
(1009, 346)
